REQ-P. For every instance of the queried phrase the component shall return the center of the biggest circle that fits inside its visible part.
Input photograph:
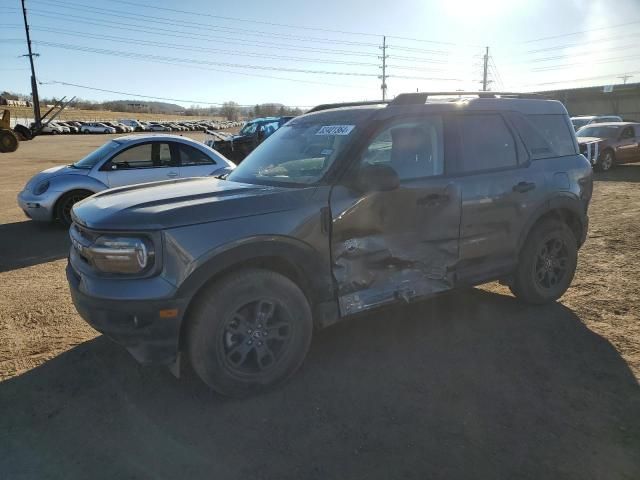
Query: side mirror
(377, 178)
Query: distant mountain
(142, 106)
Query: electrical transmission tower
(485, 70)
(384, 57)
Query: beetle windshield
(94, 157)
(301, 152)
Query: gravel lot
(468, 385)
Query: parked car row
(131, 125)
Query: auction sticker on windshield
(335, 130)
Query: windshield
(249, 128)
(598, 131)
(298, 153)
(94, 157)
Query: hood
(590, 139)
(174, 203)
(52, 172)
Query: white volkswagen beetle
(50, 194)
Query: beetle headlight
(41, 188)
(111, 254)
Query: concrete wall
(624, 100)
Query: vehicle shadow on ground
(23, 244)
(469, 385)
(620, 173)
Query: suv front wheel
(249, 331)
(546, 264)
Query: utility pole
(625, 77)
(485, 70)
(384, 68)
(34, 83)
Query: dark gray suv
(342, 210)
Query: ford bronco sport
(343, 209)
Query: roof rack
(421, 97)
(327, 106)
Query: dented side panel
(395, 245)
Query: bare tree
(230, 110)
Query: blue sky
(196, 55)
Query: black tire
(8, 141)
(606, 161)
(54, 132)
(85, 131)
(23, 132)
(105, 131)
(248, 332)
(547, 263)
(66, 202)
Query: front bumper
(150, 336)
(39, 208)
(591, 151)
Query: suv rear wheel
(547, 263)
(249, 331)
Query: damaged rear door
(398, 244)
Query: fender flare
(566, 202)
(305, 260)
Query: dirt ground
(468, 385)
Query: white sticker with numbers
(335, 130)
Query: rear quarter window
(545, 136)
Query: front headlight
(41, 188)
(112, 254)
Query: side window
(486, 144)
(148, 155)
(627, 133)
(164, 155)
(412, 149)
(545, 136)
(269, 128)
(134, 157)
(192, 156)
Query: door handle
(523, 187)
(432, 199)
(172, 174)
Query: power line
(275, 24)
(585, 54)
(191, 24)
(237, 19)
(197, 62)
(138, 95)
(582, 32)
(596, 62)
(583, 44)
(273, 77)
(196, 36)
(581, 79)
(119, 39)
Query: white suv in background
(97, 128)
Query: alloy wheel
(256, 336)
(551, 263)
